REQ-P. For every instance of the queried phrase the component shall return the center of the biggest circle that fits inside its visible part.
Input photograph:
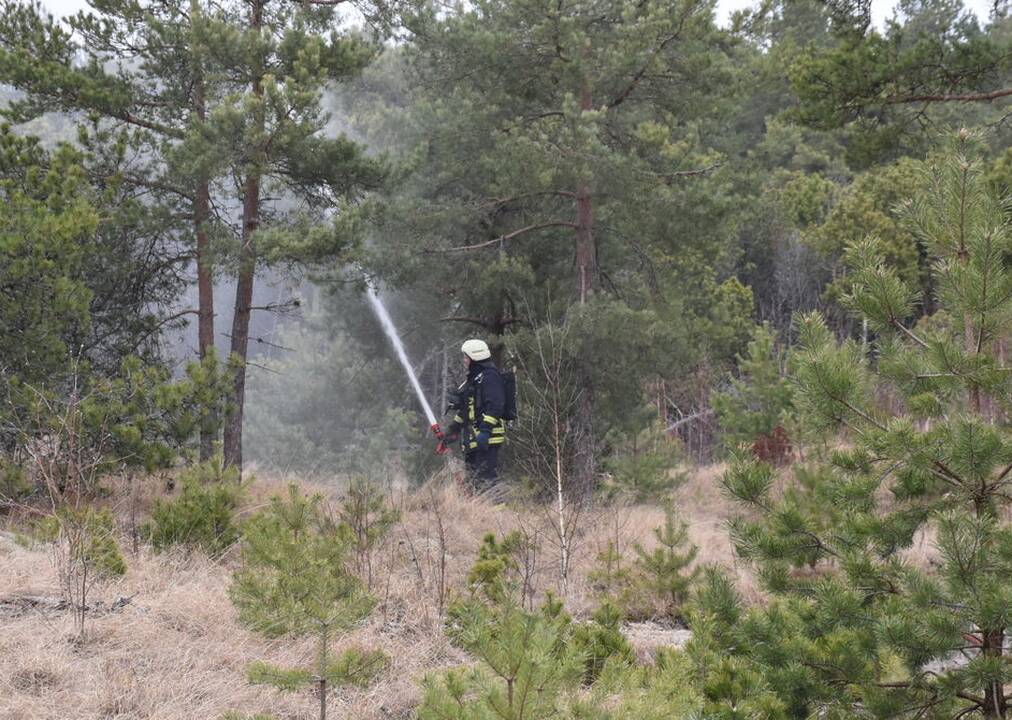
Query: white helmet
(476, 349)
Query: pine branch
(507, 236)
(541, 116)
(496, 202)
(638, 75)
(170, 318)
(157, 185)
(281, 307)
(906, 331)
(969, 97)
(694, 173)
(702, 414)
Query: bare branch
(691, 418)
(481, 322)
(280, 307)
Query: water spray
(388, 327)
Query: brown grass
(176, 651)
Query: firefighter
(479, 409)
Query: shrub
(14, 483)
(600, 641)
(84, 551)
(92, 537)
(203, 514)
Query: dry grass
(176, 651)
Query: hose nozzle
(441, 448)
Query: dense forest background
(652, 191)
(774, 251)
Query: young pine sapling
(293, 581)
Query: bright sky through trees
(881, 9)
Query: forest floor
(175, 651)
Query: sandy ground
(175, 651)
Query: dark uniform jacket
(479, 405)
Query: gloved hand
(482, 439)
(446, 441)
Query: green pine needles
(293, 581)
(755, 404)
(203, 515)
(525, 669)
(663, 573)
(530, 663)
(860, 624)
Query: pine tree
(204, 95)
(872, 633)
(610, 577)
(663, 571)
(756, 403)
(142, 86)
(495, 576)
(202, 515)
(557, 137)
(293, 581)
(47, 226)
(528, 662)
(601, 642)
(365, 519)
(271, 130)
(642, 466)
(874, 82)
(525, 669)
(662, 690)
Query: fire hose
(442, 448)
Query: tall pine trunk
(247, 265)
(205, 283)
(584, 468)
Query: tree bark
(247, 266)
(586, 255)
(241, 319)
(557, 424)
(205, 283)
(584, 467)
(322, 660)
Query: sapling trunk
(321, 668)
